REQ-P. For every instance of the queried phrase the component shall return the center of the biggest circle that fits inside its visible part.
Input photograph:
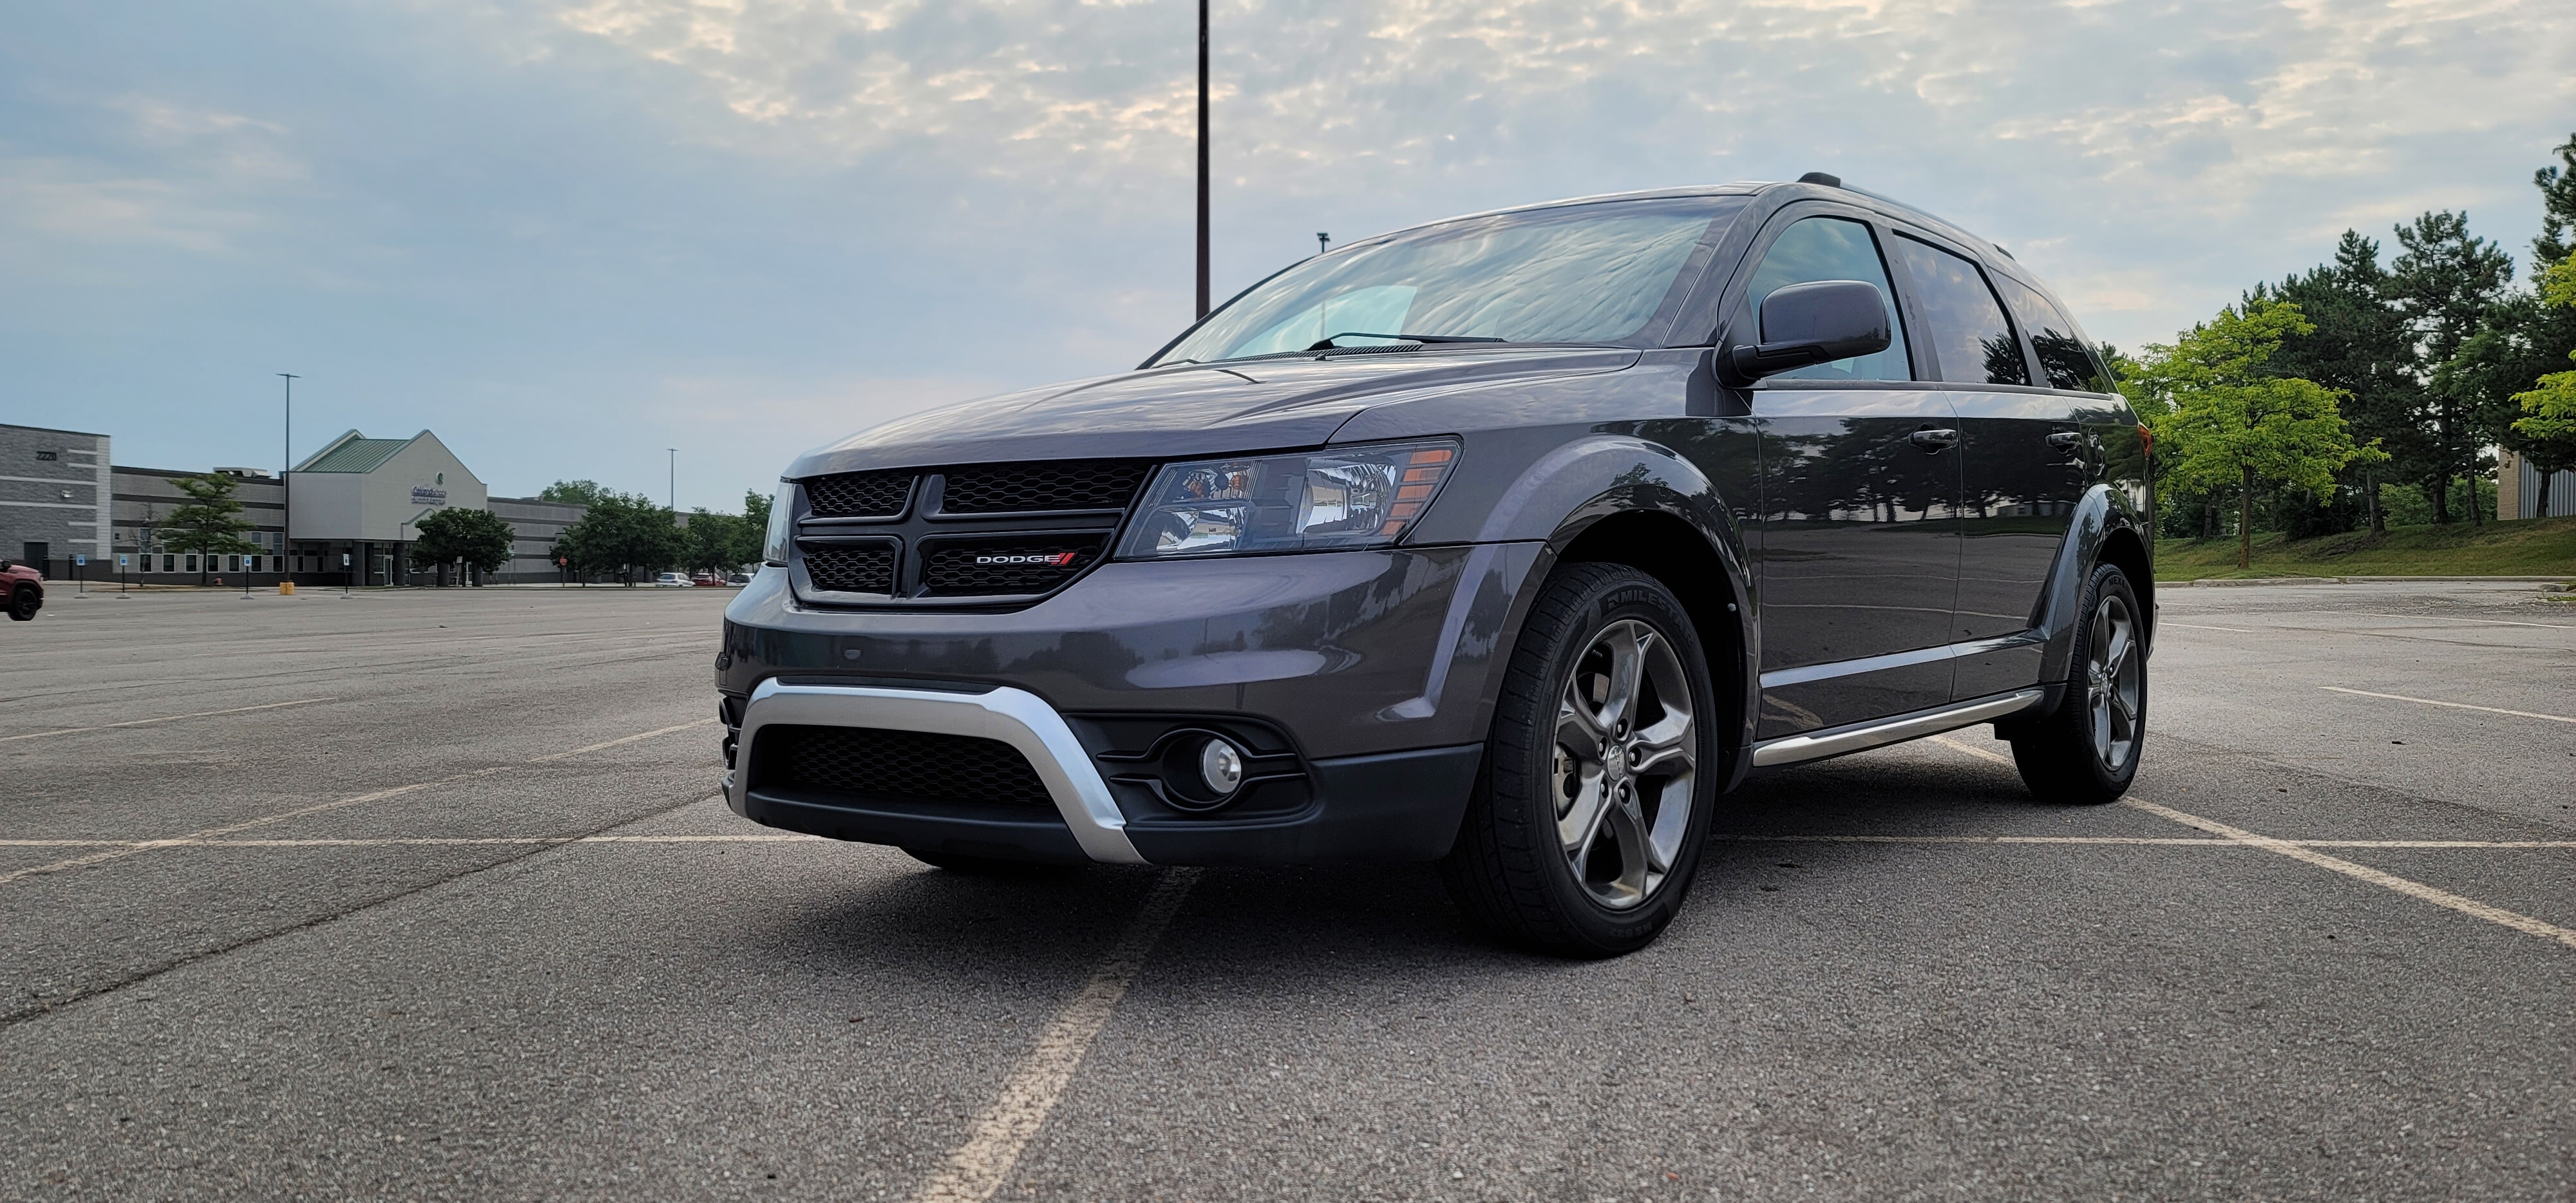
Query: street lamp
(675, 478)
(285, 471)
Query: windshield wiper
(1326, 343)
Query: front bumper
(1402, 806)
(1368, 672)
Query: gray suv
(1509, 542)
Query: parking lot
(429, 895)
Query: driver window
(1826, 248)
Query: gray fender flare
(1574, 488)
(2102, 510)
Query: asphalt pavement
(427, 895)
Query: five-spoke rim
(2115, 683)
(1626, 748)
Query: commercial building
(54, 491)
(2518, 489)
(357, 504)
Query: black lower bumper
(1389, 808)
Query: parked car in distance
(707, 579)
(25, 589)
(670, 580)
(736, 580)
(1508, 542)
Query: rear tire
(987, 866)
(1599, 775)
(24, 602)
(2086, 751)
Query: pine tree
(2358, 347)
(2447, 284)
(210, 524)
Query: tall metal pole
(675, 478)
(1203, 158)
(285, 486)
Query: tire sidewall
(2107, 578)
(1625, 595)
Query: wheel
(2086, 751)
(23, 604)
(986, 866)
(1592, 803)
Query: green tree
(716, 542)
(210, 524)
(2447, 284)
(2359, 348)
(478, 537)
(2546, 429)
(755, 510)
(623, 533)
(2223, 420)
(575, 492)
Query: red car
(26, 589)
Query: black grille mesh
(850, 569)
(858, 494)
(953, 569)
(1045, 485)
(910, 765)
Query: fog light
(1220, 767)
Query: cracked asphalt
(427, 896)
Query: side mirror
(1816, 322)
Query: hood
(1190, 410)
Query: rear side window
(1961, 318)
(1827, 248)
(2063, 356)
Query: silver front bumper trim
(1014, 716)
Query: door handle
(1934, 440)
(2066, 440)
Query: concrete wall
(2518, 489)
(145, 496)
(534, 523)
(54, 490)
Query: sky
(571, 237)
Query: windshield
(1580, 273)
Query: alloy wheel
(1626, 748)
(2114, 683)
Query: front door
(1860, 536)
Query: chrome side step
(1796, 748)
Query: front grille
(859, 494)
(1046, 485)
(850, 568)
(916, 766)
(1007, 566)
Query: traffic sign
(80, 561)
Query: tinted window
(1828, 248)
(2063, 356)
(1961, 318)
(1582, 273)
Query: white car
(671, 580)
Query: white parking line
(2153, 840)
(2399, 697)
(2389, 881)
(1002, 1132)
(2499, 622)
(199, 837)
(167, 718)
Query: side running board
(1817, 746)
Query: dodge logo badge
(1060, 559)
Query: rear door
(1860, 537)
(2026, 461)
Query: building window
(192, 561)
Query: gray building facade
(54, 497)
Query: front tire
(2086, 751)
(1599, 774)
(24, 603)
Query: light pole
(674, 494)
(1203, 158)
(285, 469)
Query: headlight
(1356, 497)
(782, 524)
